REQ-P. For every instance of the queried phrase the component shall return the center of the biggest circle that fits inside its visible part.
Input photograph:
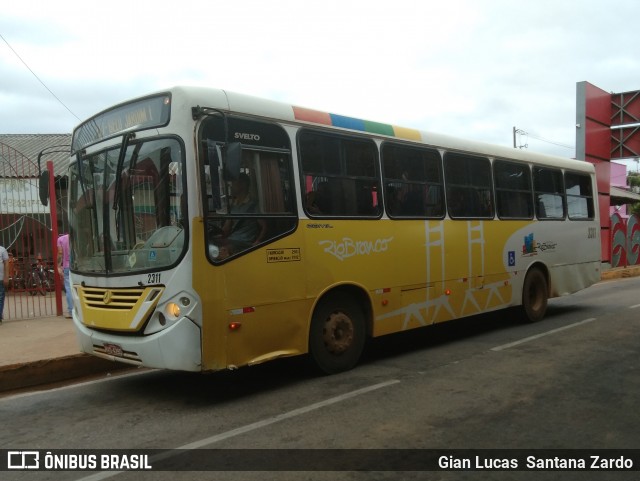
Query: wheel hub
(338, 333)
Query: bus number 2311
(153, 278)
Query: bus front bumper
(177, 347)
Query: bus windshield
(127, 208)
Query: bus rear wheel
(535, 294)
(337, 335)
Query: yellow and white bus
(212, 230)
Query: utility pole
(518, 131)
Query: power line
(559, 144)
(529, 134)
(38, 78)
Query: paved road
(570, 381)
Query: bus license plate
(113, 350)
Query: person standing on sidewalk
(63, 270)
(4, 273)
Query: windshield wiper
(118, 180)
(116, 201)
(123, 152)
(80, 160)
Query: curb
(620, 272)
(48, 371)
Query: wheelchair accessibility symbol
(512, 258)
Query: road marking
(252, 427)
(45, 390)
(543, 334)
(633, 307)
(287, 415)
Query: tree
(633, 180)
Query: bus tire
(337, 335)
(535, 294)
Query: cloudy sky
(470, 68)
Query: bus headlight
(173, 310)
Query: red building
(608, 128)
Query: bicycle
(17, 279)
(38, 281)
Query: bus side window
(549, 193)
(413, 181)
(340, 175)
(514, 197)
(579, 196)
(256, 206)
(469, 186)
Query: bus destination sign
(139, 115)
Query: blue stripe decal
(347, 122)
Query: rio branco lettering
(347, 247)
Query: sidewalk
(41, 351)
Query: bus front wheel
(337, 335)
(535, 294)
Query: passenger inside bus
(243, 232)
(319, 201)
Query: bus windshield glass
(127, 208)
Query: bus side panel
(458, 269)
(416, 272)
(265, 295)
(372, 254)
(208, 283)
(570, 250)
(568, 279)
(255, 307)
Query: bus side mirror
(43, 187)
(233, 159)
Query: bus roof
(188, 97)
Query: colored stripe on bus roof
(405, 133)
(324, 118)
(308, 115)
